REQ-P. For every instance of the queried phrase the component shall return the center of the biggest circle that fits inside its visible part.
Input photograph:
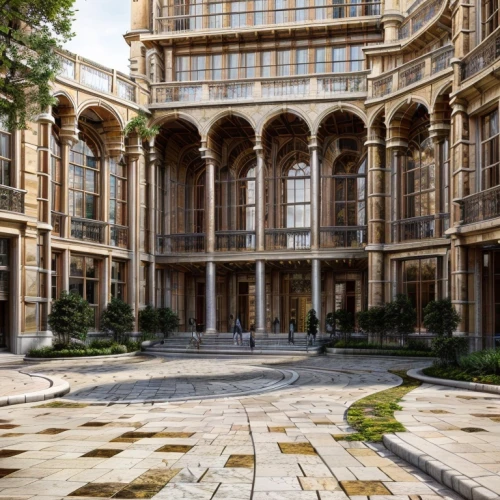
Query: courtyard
(235, 428)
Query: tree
(373, 321)
(441, 318)
(345, 323)
(71, 317)
(118, 319)
(400, 316)
(168, 321)
(312, 322)
(30, 32)
(148, 321)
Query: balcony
(343, 237)
(118, 236)
(175, 19)
(88, 230)
(288, 239)
(235, 241)
(482, 56)
(57, 219)
(418, 70)
(97, 77)
(481, 206)
(180, 243)
(285, 88)
(11, 199)
(419, 16)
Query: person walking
(230, 324)
(238, 331)
(291, 331)
(252, 337)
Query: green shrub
(417, 345)
(50, 352)
(450, 349)
(481, 363)
(148, 321)
(118, 319)
(441, 318)
(312, 322)
(345, 323)
(118, 349)
(400, 316)
(101, 343)
(71, 317)
(168, 321)
(373, 322)
(133, 345)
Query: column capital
(313, 143)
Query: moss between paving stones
(373, 416)
(454, 373)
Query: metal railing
(415, 228)
(4, 282)
(235, 241)
(411, 75)
(57, 219)
(419, 18)
(343, 237)
(482, 56)
(199, 17)
(88, 230)
(288, 239)
(481, 206)
(277, 88)
(180, 243)
(118, 236)
(382, 86)
(12, 199)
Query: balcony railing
(481, 206)
(235, 241)
(88, 230)
(118, 236)
(288, 239)
(418, 18)
(11, 199)
(482, 56)
(180, 243)
(416, 228)
(176, 18)
(57, 219)
(4, 282)
(282, 88)
(424, 67)
(97, 77)
(343, 237)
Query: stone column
(316, 288)
(376, 213)
(210, 206)
(459, 289)
(211, 299)
(154, 155)
(315, 193)
(260, 296)
(260, 199)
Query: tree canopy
(30, 31)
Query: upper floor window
(298, 196)
(84, 166)
(489, 17)
(55, 172)
(117, 193)
(5, 155)
(490, 173)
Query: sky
(99, 28)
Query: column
(151, 175)
(210, 206)
(210, 298)
(260, 199)
(316, 289)
(459, 289)
(260, 298)
(315, 194)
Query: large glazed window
(117, 193)
(84, 280)
(489, 17)
(84, 166)
(56, 172)
(490, 174)
(297, 196)
(5, 155)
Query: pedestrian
(291, 331)
(276, 324)
(230, 324)
(252, 337)
(238, 331)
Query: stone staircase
(222, 343)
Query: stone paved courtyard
(272, 439)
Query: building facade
(311, 154)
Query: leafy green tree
(118, 319)
(148, 321)
(400, 316)
(441, 318)
(373, 321)
(168, 321)
(345, 323)
(71, 317)
(312, 322)
(30, 32)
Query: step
(235, 351)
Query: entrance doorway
(296, 300)
(491, 298)
(246, 303)
(200, 305)
(4, 318)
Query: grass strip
(455, 373)
(373, 416)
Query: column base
(260, 330)
(211, 330)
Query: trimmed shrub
(450, 349)
(400, 316)
(312, 322)
(168, 321)
(373, 322)
(148, 321)
(441, 318)
(345, 323)
(118, 319)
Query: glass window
(281, 12)
(182, 73)
(301, 58)
(238, 17)
(259, 14)
(143, 283)
(339, 60)
(84, 165)
(5, 155)
(301, 12)
(232, 66)
(215, 15)
(490, 174)
(56, 272)
(198, 68)
(4, 252)
(298, 196)
(55, 171)
(320, 13)
(356, 58)
(320, 62)
(489, 17)
(84, 280)
(118, 279)
(265, 64)
(217, 67)
(248, 64)
(117, 193)
(283, 63)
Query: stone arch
(405, 103)
(100, 104)
(66, 96)
(227, 114)
(340, 107)
(282, 110)
(170, 117)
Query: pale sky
(99, 27)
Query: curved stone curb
(73, 358)
(58, 388)
(292, 375)
(229, 352)
(459, 384)
(379, 352)
(445, 475)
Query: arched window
(247, 201)
(349, 191)
(195, 204)
(84, 167)
(297, 196)
(55, 172)
(419, 178)
(5, 155)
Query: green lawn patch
(456, 373)
(373, 416)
